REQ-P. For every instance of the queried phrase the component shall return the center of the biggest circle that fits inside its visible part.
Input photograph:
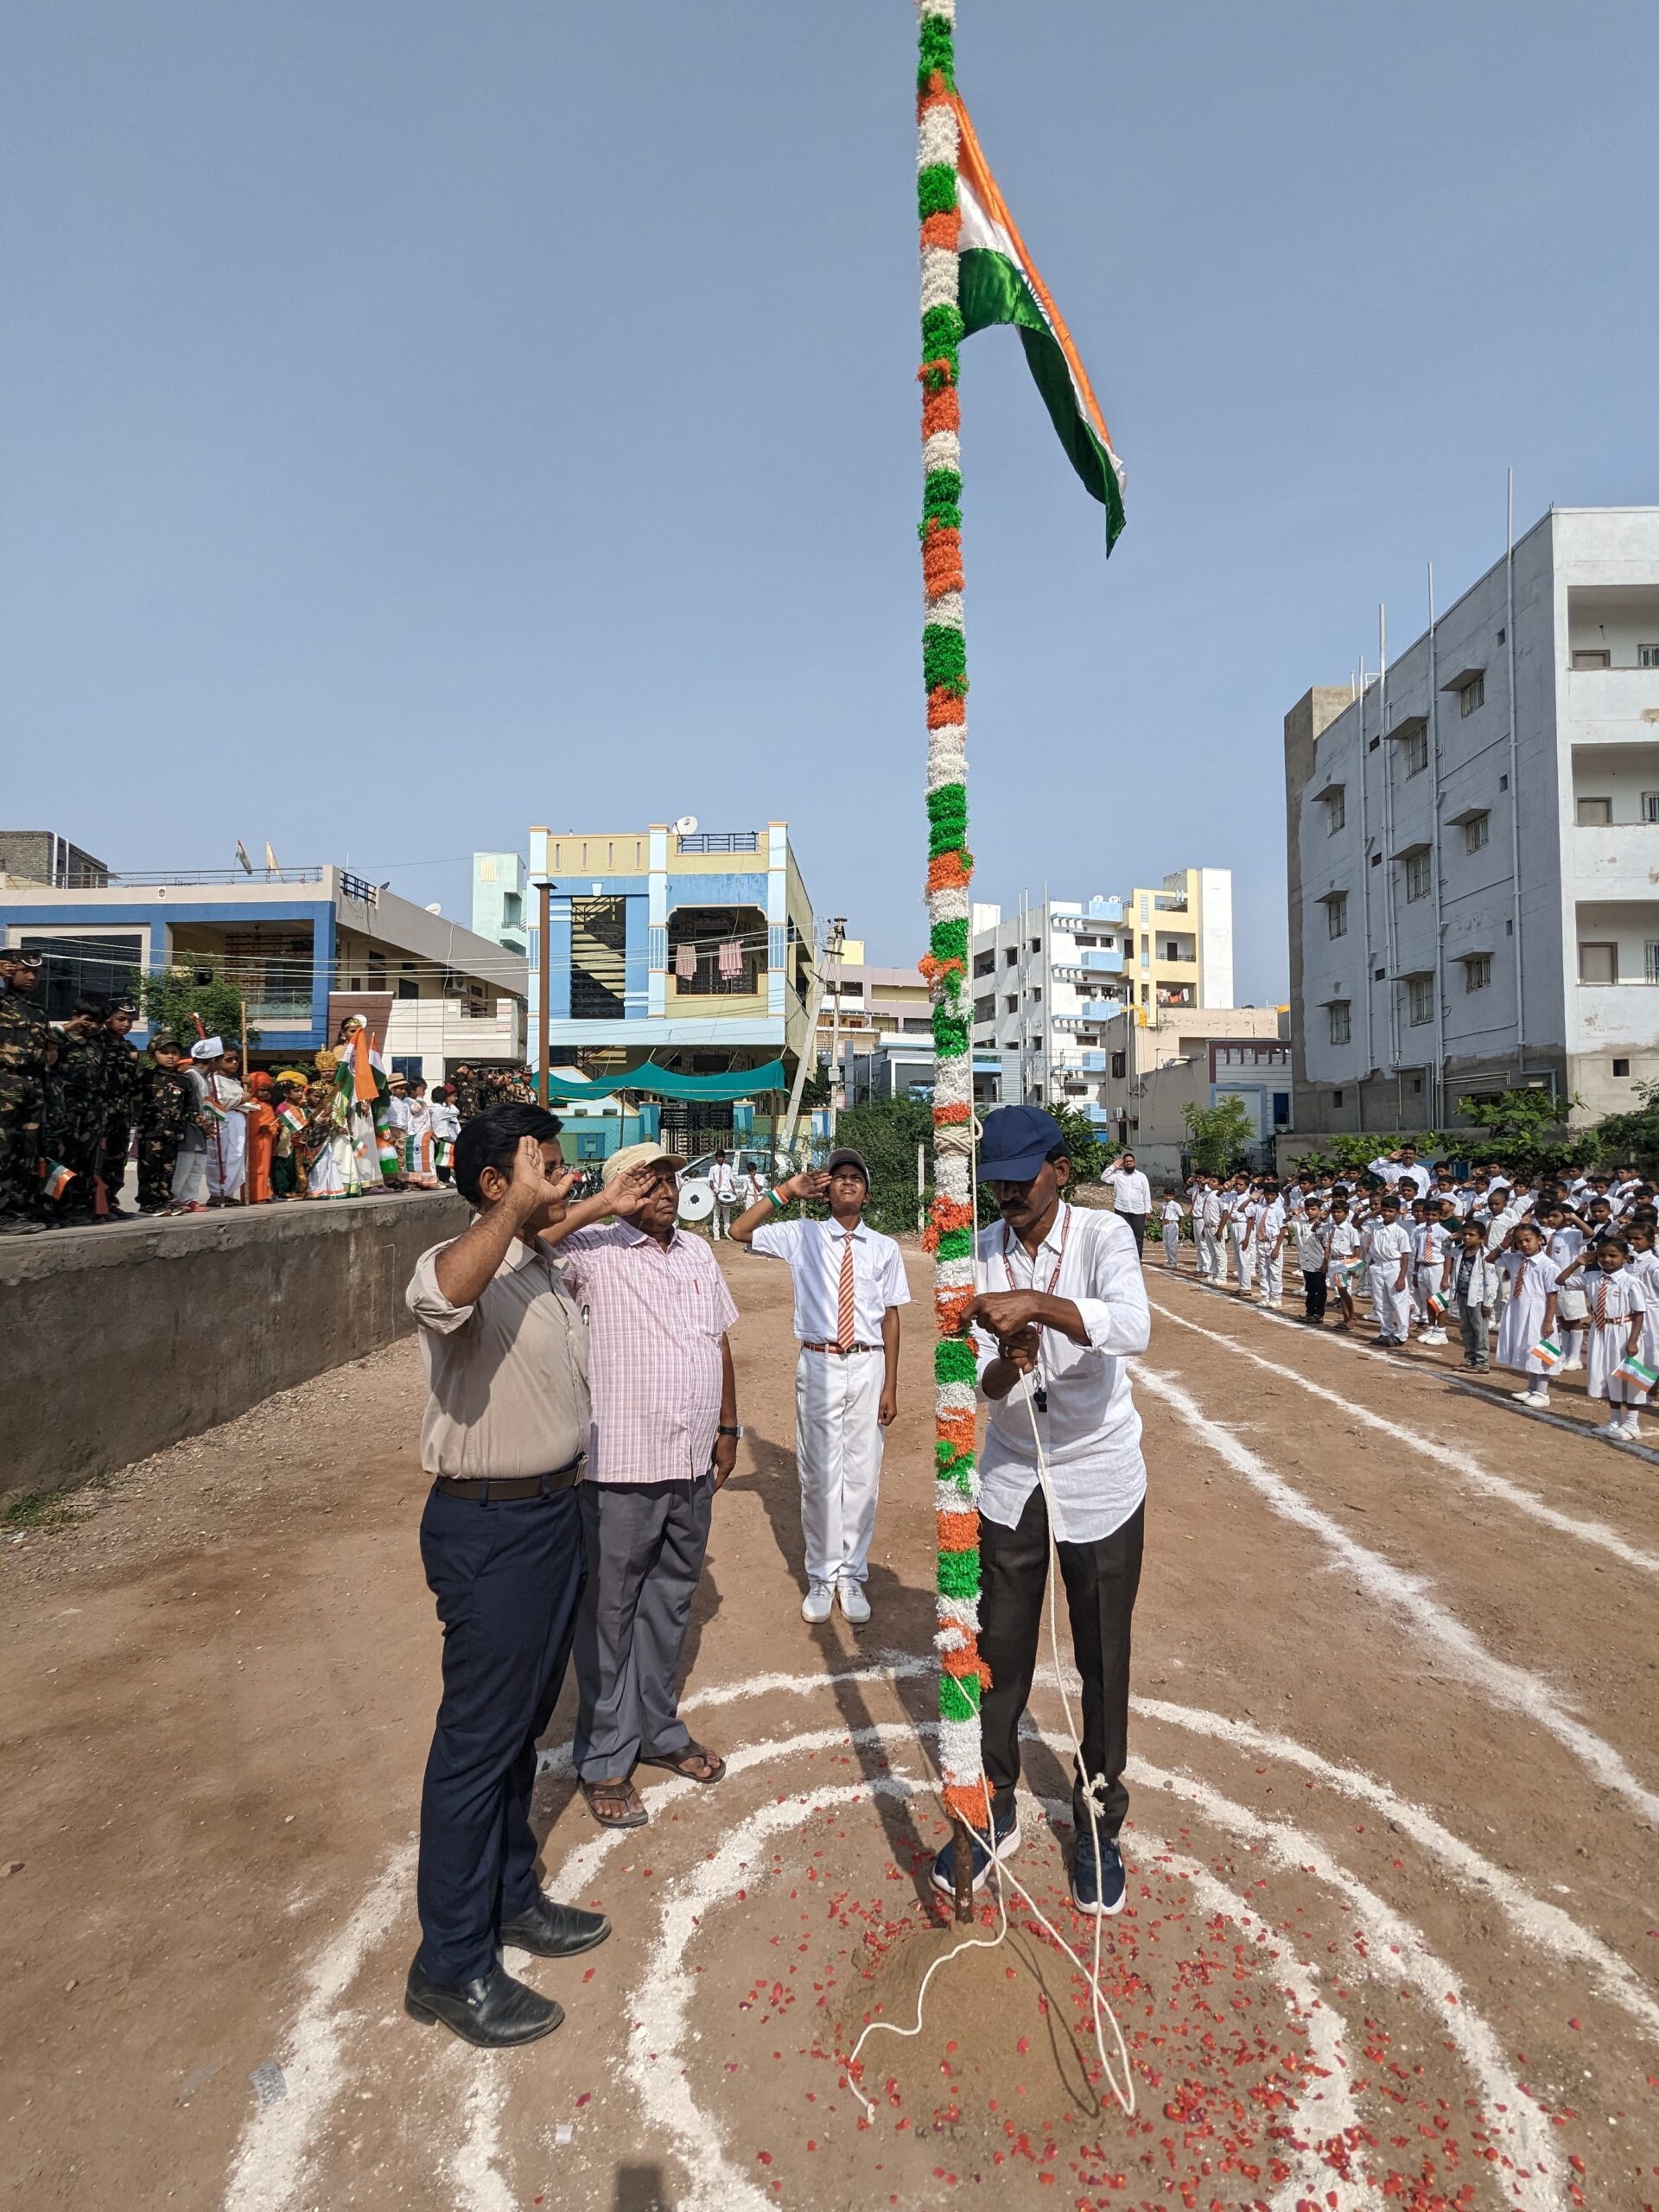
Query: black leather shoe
(496, 2012)
(555, 1931)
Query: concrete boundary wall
(117, 1341)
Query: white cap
(207, 1048)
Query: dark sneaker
(1008, 1842)
(1098, 1885)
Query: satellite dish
(434, 908)
(696, 1200)
(686, 826)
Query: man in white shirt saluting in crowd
(1131, 1195)
(849, 1284)
(1062, 1308)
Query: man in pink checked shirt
(663, 1441)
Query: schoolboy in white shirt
(849, 1283)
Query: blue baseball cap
(1014, 1142)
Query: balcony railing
(152, 880)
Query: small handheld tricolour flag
(1545, 1352)
(55, 1178)
(1436, 1304)
(1633, 1371)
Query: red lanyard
(1008, 1254)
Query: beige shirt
(507, 1377)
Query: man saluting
(1061, 1309)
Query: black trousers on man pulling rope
(1101, 1581)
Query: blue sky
(423, 421)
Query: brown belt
(836, 1351)
(504, 1489)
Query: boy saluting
(849, 1283)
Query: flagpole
(950, 871)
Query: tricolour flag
(1547, 1352)
(55, 1178)
(1633, 1370)
(999, 283)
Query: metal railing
(151, 879)
(720, 841)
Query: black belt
(503, 1488)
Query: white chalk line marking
(1502, 1681)
(655, 2061)
(270, 2157)
(1468, 1471)
(1409, 1362)
(273, 2150)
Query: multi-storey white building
(1047, 979)
(1474, 845)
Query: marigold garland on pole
(950, 869)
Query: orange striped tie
(844, 1311)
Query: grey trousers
(644, 1543)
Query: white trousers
(1209, 1246)
(1391, 1308)
(1172, 1242)
(721, 1224)
(838, 1451)
(1270, 1274)
(1243, 1260)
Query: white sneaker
(819, 1603)
(1531, 1398)
(1611, 1428)
(1433, 1337)
(854, 1604)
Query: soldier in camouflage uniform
(463, 1090)
(123, 1087)
(73, 1129)
(167, 1105)
(27, 1042)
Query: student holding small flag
(1525, 1335)
(1619, 1309)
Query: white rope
(1099, 2002)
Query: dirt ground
(1392, 1936)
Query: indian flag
(999, 283)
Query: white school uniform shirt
(446, 1123)
(1173, 1210)
(722, 1182)
(1386, 1246)
(1131, 1192)
(1270, 1221)
(812, 1251)
(1564, 1245)
(1395, 1172)
(1429, 1246)
(1091, 1432)
(1342, 1242)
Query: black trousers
(508, 1581)
(1313, 1289)
(1136, 1225)
(1100, 1581)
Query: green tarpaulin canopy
(666, 1082)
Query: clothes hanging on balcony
(731, 961)
(685, 962)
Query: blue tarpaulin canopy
(668, 1082)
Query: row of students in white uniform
(1568, 1276)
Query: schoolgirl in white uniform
(1618, 1307)
(1530, 1316)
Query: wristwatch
(734, 1429)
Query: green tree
(1219, 1137)
(888, 1131)
(171, 998)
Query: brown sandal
(691, 1763)
(615, 1805)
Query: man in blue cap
(1060, 1307)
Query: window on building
(1036, 945)
(1035, 993)
(1281, 1110)
(1650, 806)
(1339, 1014)
(1420, 875)
(1599, 963)
(984, 962)
(1591, 657)
(513, 910)
(1377, 859)
(1335, 914)
(1413, 752)
(1010, 955)
(406, 989)
(1336, 811)
(1477, 971)
(1621, 1067)
(1473, 694)
(1120, 1063)
(1419, 1000)
(1594, 813)
(1336, 1098)
(1477, 830)
(1647, 656)
(985, 1009)
(1372, 747)
(1652, 960)
(1011, 1002)
(1172, 951)
(71, 965)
